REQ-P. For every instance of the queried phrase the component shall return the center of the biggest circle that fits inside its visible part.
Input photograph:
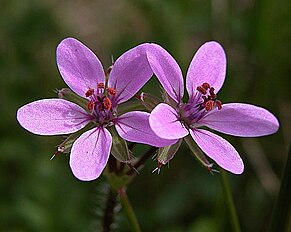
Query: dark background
(42, 195)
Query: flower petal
(129, 73)
(52, 117)
(165, 123)
(208, 65)
(167, 71)
(90, 153)
(79, 66)
(218, 149)
(134, 126)
(241, 120)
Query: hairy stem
(229, 201)
(108, 217)
(128, 210)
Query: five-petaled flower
(84, 74)
(204, 79)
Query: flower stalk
(126, 205)
(229, 201)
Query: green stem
(229, 201)
(281, 216)
(128, 210)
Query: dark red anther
(111, 91)
(101, 85)
(206, 86)
(212, 94)
(218, 104)
(106, 103)
(209, 105)
(89, 92)
(201, 89)
(91, 105)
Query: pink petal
(167, 71)
(90, 153)
(208, 65)
(218, 149)
(129, 73)
(241, 120)
(165, 123)
(134, 126)
(79, 66)
(52, 117)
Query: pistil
(100, 104)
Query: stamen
(111, 91)
(209, 105)
(101, 85)
(206, 86)
(106, 103)
(90, 92)
(212, 94)
(201, 89)
(91, 105)
(218, 104)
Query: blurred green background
(42, 195)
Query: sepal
(131, 105)
(67, 94)
(119, 147)
(149, 101)
(165, 154)
(197, 153)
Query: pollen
(206, 86)
(111, 91)
(106, 103)
(89, 92)
(209, 97)
(201, 89)
(101, 85)
(209, 105)
(91, 105)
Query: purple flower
(204, 79)
(84, 74)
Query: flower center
(204, 100)
(100, 104)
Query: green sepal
(130, 105)
(165, 154)
(69, 95)
(119, 147)
(167, 99)
(198, 154)
(149, 101)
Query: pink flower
(204, 79)
(84, 74)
